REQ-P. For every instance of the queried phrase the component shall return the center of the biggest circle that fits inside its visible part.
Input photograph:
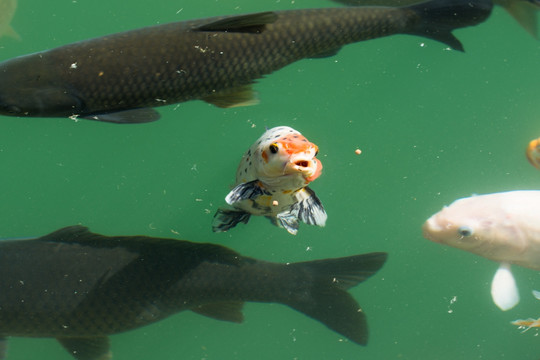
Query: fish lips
(308, 166)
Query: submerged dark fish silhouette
(524, 11)
(80, 287)
(120, 77)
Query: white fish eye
(274, 148)
(465, 231)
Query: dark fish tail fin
(327, 299)
(440, 17)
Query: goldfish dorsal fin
(504, 291)
(226, 311)
(84, 348)
(250, 23)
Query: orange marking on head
(264, 156)
(295, 145)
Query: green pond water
(433, 125)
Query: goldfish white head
(285, 155)
(501, 227)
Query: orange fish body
(272, 180)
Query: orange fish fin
(239, 96)
(525, 14)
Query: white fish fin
(289, 221)
(226, 219)
(504, 291)
(310, 209)
(536, 294)
(245, 191)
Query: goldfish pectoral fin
(504, 291)
(289, 221)
(525, 14)
(226, 219)
(226, 311)
(87, 348)
(239, 96)
(246, 191)
(3, 348)
(250, 23)
(310, 209)
(134, 116)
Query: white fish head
(485, 225)
(284, 152)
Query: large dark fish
(524, 11)
(80, 287)
(118, 78)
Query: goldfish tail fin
(328, 300)
(226, 219)
(440, 17)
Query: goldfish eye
(465, 231)
(274, 148)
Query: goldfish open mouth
(302, 163)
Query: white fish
(272, 180)
(503, 227)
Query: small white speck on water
(73, 66)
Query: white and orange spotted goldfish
(272, 180)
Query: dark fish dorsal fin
(250, 23)
(226, 311)
(68, 233)
(87, 348)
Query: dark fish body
(80, 287)
(119, 77)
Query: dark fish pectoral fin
(438, 18)
(329, 302)
(226, 219)
(245, 191)
(239, 96)
(226, 311)
(135, 116)
(250, 23)
(310, 209)
(87, 348)
(327, 53)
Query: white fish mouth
(430, 229)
